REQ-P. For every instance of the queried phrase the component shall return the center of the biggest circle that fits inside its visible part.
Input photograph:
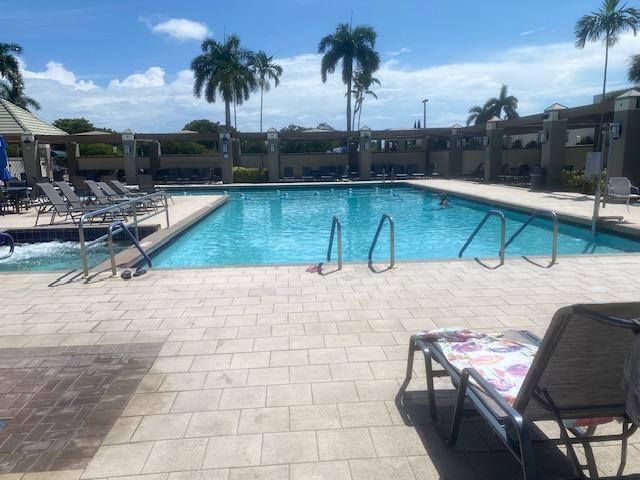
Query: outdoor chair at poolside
(476, 174)
(288, 175)
(79, 186)
(307, 174)
(72, 198)
(400, 172)
(412, 172)
(146, 186)
(101, 198)
(123, 190)
(574, 377)
(57, 206)
(620, 188)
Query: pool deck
(182, 208)
(570, 206)
(272, 372)
(276, 373)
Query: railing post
(339, 224)
(554, 246)
(503, 237)
(392, 247)
(83, 248)
(135, 224)
(111, 255)
(392, 242)
(336, 227)
(166, 208)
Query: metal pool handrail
(392, 247)
(124, 207)
(554, 241)
(336, 226)
(123, 228)
(9, 239)
(490, 213)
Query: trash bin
(538, 176)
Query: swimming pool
(266, 226)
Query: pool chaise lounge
(57, 206)
(574, 376)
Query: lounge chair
(101, 197)
(307, 174)
(622, 189)
(123, 190)
(573, 376)
(57, 206)
(288, 175)
(412, 172)
(476, 174)
(72, 197)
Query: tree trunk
(227, 114)
(261, 95)
(606, 64)
(360, 112)
(349, 104)
(235, 118)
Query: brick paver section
(62, 401)
(275, 373)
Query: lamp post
(424, 114)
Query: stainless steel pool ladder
(9, 240)
(336, 228)
(490, 213)
(392, 247)
(554, 240)
(123, 228)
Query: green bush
(517, 144)
(574, 181)
(250, 175)
(531, 144)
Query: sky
(125, 63)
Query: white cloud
(55, 71)
(180, 28)
(153, 77)
(155, 102)
(395, 53)
(531, 32)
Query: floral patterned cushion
(502, 363)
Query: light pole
(424, 114)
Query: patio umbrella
(5, 173)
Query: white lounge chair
(621, 188)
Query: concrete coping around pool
(131, 256)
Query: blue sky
(124, 64)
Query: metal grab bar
(123, 228)
(8, 239)
(122, 207)
(554, 241)
(503, 229)
(392, 247)
(336, 225)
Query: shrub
(517, 144)
(531, 144)
(250, 175)
(574, 181)
(585, 141)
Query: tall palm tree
(505, 102)
(9, 67)
(362, 83)
(606, 25)
(265, 70)
(634, 69)
(479, 115)
(355, 47)
(223, 69)
(17, 96)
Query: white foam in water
(56, 254)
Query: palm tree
(17, 96)
(479, 114)
(351, 46)
(606, 25)
(9, 67)
(634, 69)
(505, 102)
(222, 69)
(362, 82)
(265, 70)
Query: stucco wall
(577, 155)
(312, 160)
(521, 156)
(471, 159)
(399, 158)
(440, 161)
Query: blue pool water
(269, 226)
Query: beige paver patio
(296, 394)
